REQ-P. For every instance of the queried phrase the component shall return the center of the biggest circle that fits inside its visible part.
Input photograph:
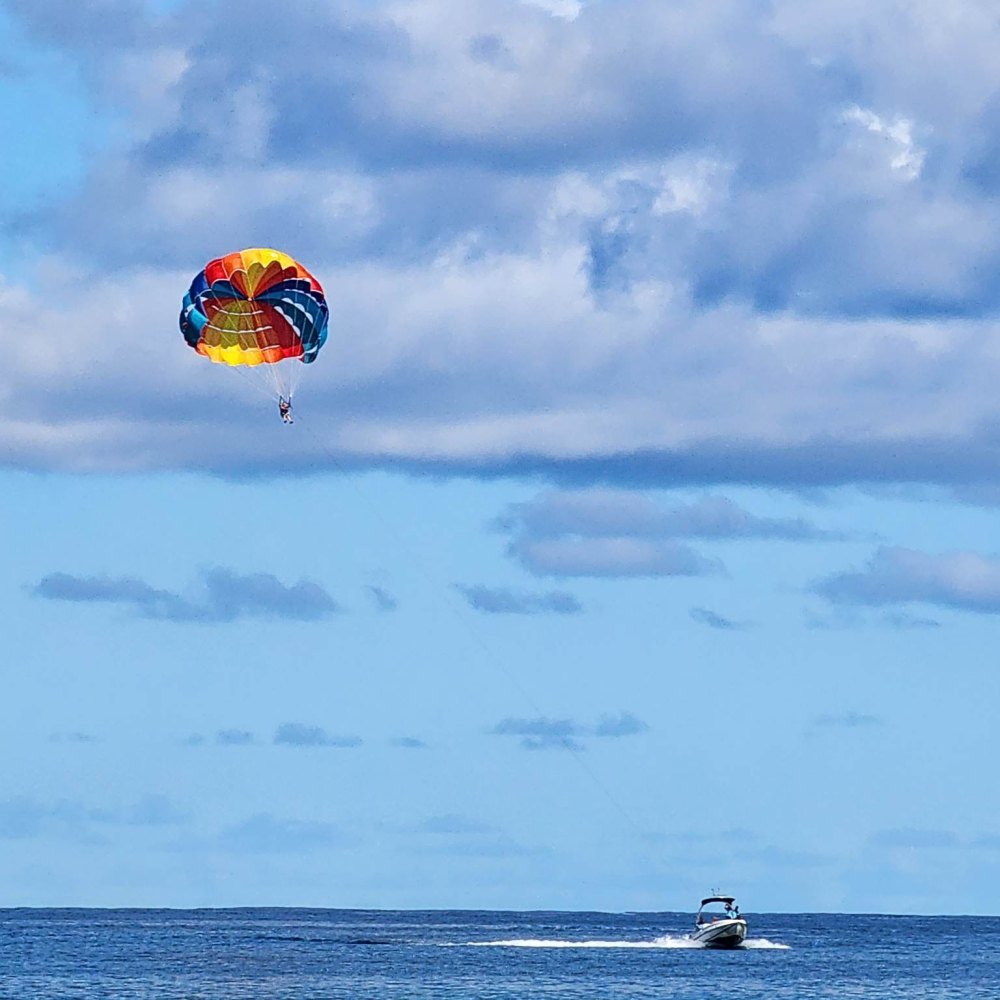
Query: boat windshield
(716, 911)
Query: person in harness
(285, 409)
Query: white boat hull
(721, 933)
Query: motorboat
(718, 923)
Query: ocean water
(465, 955)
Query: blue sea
(297, 954)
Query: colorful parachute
(256, 307)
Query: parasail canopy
(255, 307)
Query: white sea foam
(665, 941)
(764, 944)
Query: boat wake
(666, 941)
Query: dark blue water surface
(288, 953)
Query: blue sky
(637, 531)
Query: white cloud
(966, 581)
(568, 9)
(691, 186)
(647, 237)
(904, 156)
(490, 360)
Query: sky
(637, 532)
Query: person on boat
(285, 409)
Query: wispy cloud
(964, 581)
(913, 838)
(264, 833)
(74, 737)
(231, 738)
(154, 810)
(902, 621)
(459, 836)
(26, 818)
(384, 601)
(408, 743)
(610, 557)
(296, 734)
(605, 532)
(616, 726)
(543, 733)
(607, 513)
(713, 620)
(842, 617)
(450, 824)
(504, 601)
(221, 596)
